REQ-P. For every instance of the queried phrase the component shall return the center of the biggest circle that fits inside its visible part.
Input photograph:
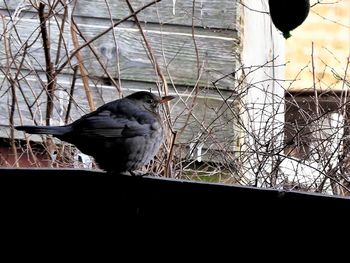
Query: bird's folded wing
(105, 125)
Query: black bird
(288, 15)
(122, 135)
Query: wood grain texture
(175, 52)
(207, 13)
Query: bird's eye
(150, 101)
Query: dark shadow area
(74, 207)
(100, 197)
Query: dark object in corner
(288, 15)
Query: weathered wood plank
(175, 52)
(206, 13)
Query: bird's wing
(105, 124)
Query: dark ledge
(96, 197)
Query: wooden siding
(220, 14)
(174, 50)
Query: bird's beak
(166, 98)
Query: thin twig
(84, 74)
(324, 3)
(314, 79)
(169, 173)
(50, 71)
(60, 36)
(194, 39)
(252, 9)
(71, 93)
(11, 121)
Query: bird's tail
(54, 130)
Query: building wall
(317, 56)
(323, 38)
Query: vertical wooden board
(206, 13)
